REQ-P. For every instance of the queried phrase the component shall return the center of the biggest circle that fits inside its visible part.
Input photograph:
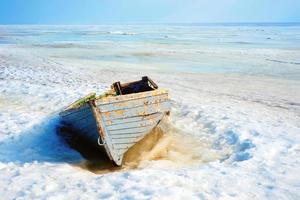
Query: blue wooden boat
(119, 118)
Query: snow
(233, 133)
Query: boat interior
(146, 84)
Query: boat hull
(116, 123)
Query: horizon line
(153, 23)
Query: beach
(234, 124)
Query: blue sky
(147, 11)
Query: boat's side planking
(81, 121)
(127, 119)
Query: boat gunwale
(68, 111)
(74, 110)
(114, 99)
(165, 97)
(115, 110)
(127, 108)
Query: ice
(235, 118)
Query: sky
(147, 11)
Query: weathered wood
(128, 97)
(126, 135)
(84, 126)
(130, 125)
(132, 130)
(101, 130)
(129, 141)
(133, 119)
(144, 101)
(82, 101)
(74, 110)
(136, 111)
(118, 121)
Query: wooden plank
(119, 98)
(85, 129)
(133, 103)
(130, 125)
(123, 147)
(79, 115)
(75, 119)
(84, 125)
(129, 131)
(78, 103)
(75, 110)
(89, 133)
(137, 111)
(129, 141)
(138, 134)
(133, 119)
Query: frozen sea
(234, 131)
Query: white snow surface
(237, 135)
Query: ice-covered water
(235, 119)
(267, 50)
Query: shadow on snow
(39, 143)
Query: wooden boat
(120, 117)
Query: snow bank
(230, 135)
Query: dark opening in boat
(146, 84)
